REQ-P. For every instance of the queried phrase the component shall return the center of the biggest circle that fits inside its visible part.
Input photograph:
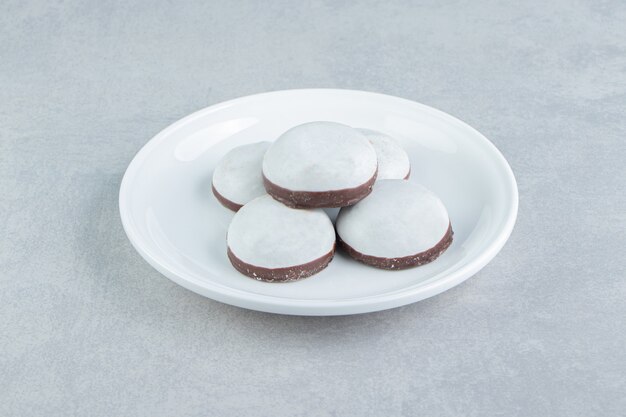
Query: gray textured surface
(88, 328)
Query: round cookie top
(320, 156)
(268, 234)
(399, 218)
(238, 176)
(393, 161)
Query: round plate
(175, 223)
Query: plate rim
(274, 304)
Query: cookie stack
(280, 232)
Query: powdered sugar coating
(238, 176)
(399, 218)
(393, 161)
(320, 156)
(268, 234)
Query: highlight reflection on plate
(175, 223)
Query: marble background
(88, 328)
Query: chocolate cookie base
(405, 261)
(319, 199)
(224, 201)
(293, 273)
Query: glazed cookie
(401, 224)
(237, 178)
(320, 164)
(393, 161)
(271, 242)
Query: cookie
(393, 161)
(400, 225)
(320, 164)
(238, 177)
(271, 242)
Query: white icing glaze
(399, 218)
(320, 156)
(269, 234)
(393, 161)
(238, 176)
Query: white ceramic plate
(175, 223)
